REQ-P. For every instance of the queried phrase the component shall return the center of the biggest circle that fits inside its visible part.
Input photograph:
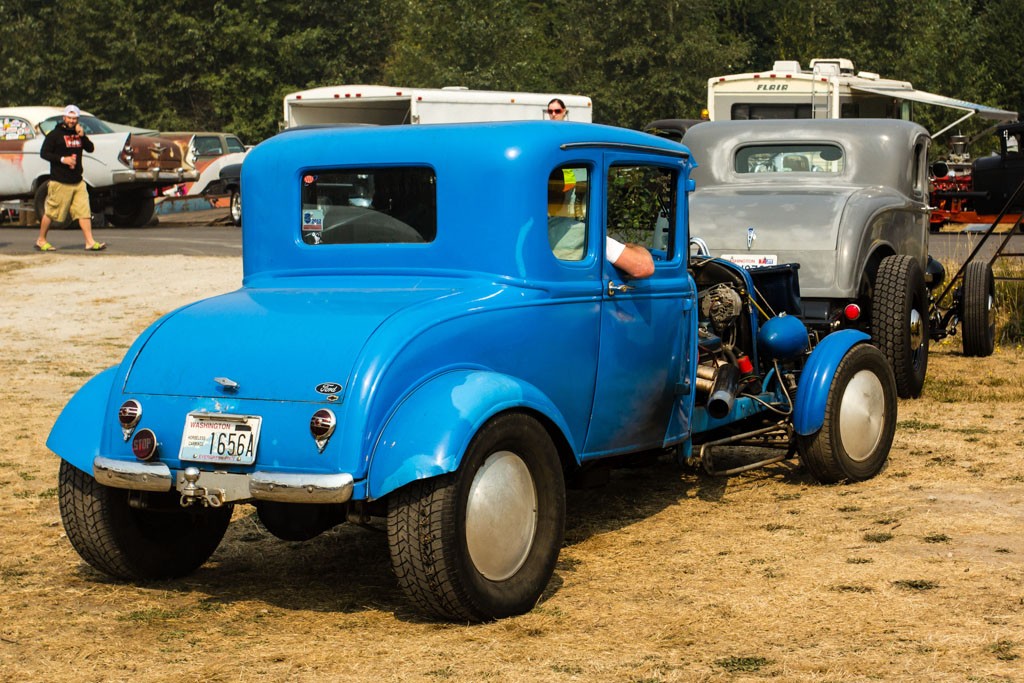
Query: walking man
(67, 193)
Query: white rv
(830, 89)
(388, 105)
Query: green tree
(647, 60)
(191, 64)
(496, 45)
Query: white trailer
(388, 105)
(830, 89)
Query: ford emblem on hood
(328, 388)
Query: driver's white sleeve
(613, 249)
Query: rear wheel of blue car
(481, 543)
(136, 536)
(899, 321)
(860, 420)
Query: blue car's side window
(567, 212)
(642, 206)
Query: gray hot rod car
(847, 199)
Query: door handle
(621, 288)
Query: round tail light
(852, 311)
(321, 426)
(144, 444)
(128, 416)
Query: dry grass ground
(666, 575)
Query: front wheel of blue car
(860, 420)
(146, 537)
(481, 543)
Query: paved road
(190, 232)
(958, 246)
(209, 233)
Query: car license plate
(752, 260)
(218, 438)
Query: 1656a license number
(220, 438)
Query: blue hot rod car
(429, 331)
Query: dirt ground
(666, 575)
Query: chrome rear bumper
(276, 486)
(154, 176)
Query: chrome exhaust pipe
(724, 391)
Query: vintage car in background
(229, 183)
(208, 153)
(203, 147)
(847, 199)
(411, 345)
(671, 129)
(124, 172)
(966, 190)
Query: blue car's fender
(429, 431)
(75, 436)
(816, 379)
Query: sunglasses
(554, 111)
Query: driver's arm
(632, 259)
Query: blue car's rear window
(369, 206)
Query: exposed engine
(729, 353)
(725, 369)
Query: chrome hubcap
(861, 415)
(916, 330)
(501, 516)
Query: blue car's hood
(276, 344)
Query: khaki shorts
(62, 199)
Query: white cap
(72, 110)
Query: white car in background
(124, 172)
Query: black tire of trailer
(132, 209)
(978, 310)
(899, 321)
(128, 542)
(860, 420)
(464, 554)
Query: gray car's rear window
(790, 158)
